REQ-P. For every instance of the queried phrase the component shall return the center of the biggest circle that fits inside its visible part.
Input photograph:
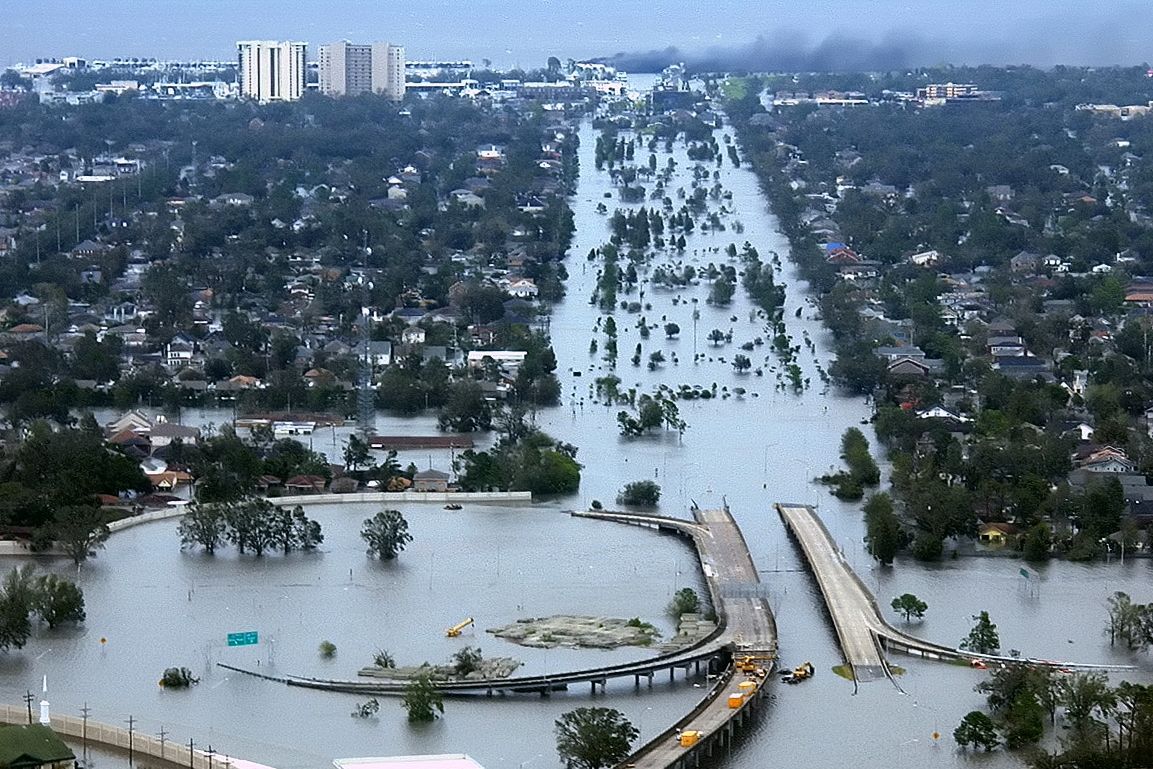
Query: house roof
(311, 481)
(28, 745)
(1007, 529)
(430, 475)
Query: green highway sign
(247, 638)
(1024, 573)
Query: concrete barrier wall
(73, 728)
(377, 497)
(17, 548)
(406, 497)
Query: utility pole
(84, 711)
(163, 736)
(191, 754)
(28, 701)
(131, 726)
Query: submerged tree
(204, 525)
(386, 534)
(983, 638)
(422, 700)
(977, 730)
(909, 605)
(594, 738)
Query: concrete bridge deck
(747, 627)
(851, 607)
(863, 632)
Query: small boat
(452, 506)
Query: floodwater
(160, 607)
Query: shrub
(685, 601)
(178, 678)
(640, 493)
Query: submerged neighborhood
(313, 350)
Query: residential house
(1022, 367)
(1140, 294)
(490, 152)
(430, 480)
(304, 484)
(1025, 261)
(996, 534)
(999, 193)
(319, 377)
(413, 335)
(482, 336)
(523, 288)
(134, 421)
(1006, 347)
(87, 249)
(163, 433)
(33, 746)
(839, 253)
(169, 480)
(232, 199)
(892, 354)
(179, 351)
(926, 258)
(92, 275)
(380, 353)
(511, 359)
(940, 412)
(915, 367)
(467, 198)
(1105, 459)
(409, 315)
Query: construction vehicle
(454, 631)
(798, 674)
(750, 664)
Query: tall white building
(271, 70)
(347, 69)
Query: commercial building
(948, 91)
(348, 69)
(271, 70)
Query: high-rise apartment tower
(347, 69)
(271, 70)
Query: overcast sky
(525, 32)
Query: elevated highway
(863, 632)
(744, 621)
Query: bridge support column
(672, 674)
(650, 679)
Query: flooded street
(158, 607)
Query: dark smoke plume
(1104, 38)
(788, 53)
